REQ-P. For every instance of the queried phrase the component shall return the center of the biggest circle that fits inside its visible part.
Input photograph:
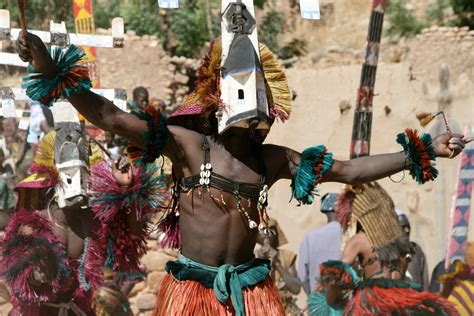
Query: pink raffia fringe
(116, 206)
(26, 244)
(344, 209)
(169, 227)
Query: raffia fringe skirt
(191, 298)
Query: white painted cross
(58, 36)
(309, 8)
(8, 97)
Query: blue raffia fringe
(70, 78)
(315, 162)
(318, 306)
(420, 153)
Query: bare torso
(373, 268)
(213, 231)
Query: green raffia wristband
(420, 153)
(155, 137)
(70, 77)
(315, 162)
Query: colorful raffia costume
(113, 205)
(458, 287)
(31, 229)
(379, 294)
(29, 246)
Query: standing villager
(320, 245)
(220, 196)
(140, 99)
(380, 251)
(418, 267)
(283, 266)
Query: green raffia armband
(315, 162)
(318, 306)
(155, 138)
(335, 272)
(420, 153)
(70, 78)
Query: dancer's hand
(450, 145)
(32, 49)
(122, 171)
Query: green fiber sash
(226, 280)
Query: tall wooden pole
(362, 127)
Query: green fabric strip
(227, 280)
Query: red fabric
(191, 298)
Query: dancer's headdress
(240, 81)
(374, 209)
(195, 112)
(44, 175)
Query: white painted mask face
(70, 157)
(72, 187)
(71, 163)
(242, 83)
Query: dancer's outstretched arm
(97, 109)
(366, 169)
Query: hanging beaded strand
(262, 210)
(243, 211)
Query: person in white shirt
(320, 245)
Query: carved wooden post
(362, 127)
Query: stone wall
(143, 62)
(143, 295)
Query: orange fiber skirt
(191, 298)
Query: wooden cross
(9, 96)
(309, 8)
(58, 36)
